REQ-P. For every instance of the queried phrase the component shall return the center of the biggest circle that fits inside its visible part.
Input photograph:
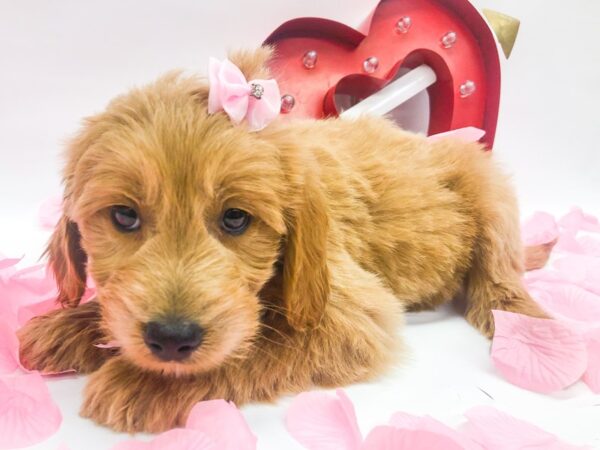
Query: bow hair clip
(257, 101)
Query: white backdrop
(63, 60)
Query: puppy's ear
(66, 257)
(305, 271)
(67, 260)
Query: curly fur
(353, 222)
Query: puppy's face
(180, 218)
(181, 221)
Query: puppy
(243, 266)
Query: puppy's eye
(235, 221)
(125, 218)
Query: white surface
(62, 60)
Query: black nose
(173, 340)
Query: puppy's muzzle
(173, 340)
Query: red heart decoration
(342, 50)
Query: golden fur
(353, 222)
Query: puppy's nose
(173, 340)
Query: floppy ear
(305, 271)
(67, 260)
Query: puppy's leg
(126, 398)
(494, 280)
(63, 340)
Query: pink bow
(257, 101)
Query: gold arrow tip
(505, 28)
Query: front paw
(63, 340)
(126, 398)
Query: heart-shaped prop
(324, 67)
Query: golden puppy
(243, 265)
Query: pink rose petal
(391, 438)
(9, 349)
(538, 354)
(223, 423)
(590, 245)
(426, 423)
(576, 219)
(37, 279)
(320, 421)
(28, 312)
(27, 413)
(7, 263)
(567, 242)
(495, 430)
(567, 300)
(177, 439)
(8, 314)
(583, 270)
(545, 275)
(26, 287)
(539, 229)
(591, 377)
(467, 134)
(109, 344)
(583, 245)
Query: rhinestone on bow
(256, 91)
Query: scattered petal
(569, 243)
(576, 219)
(9, 349)
(467, 134)
(223, 423)
(427, 423)
(542, 355)
(539, 229)
(583, 270)
(590, 245)
(27, 413)
(544, 275)
(25, 287)
(320, 421)
(591, 377)
(28, 312)
(8, 313)
(566, 300)
(177, 439)
(6, 263)
(109, 344)
(36, 279)
(392, 438)
(495, 430)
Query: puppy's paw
(64, 340)
(125, 398)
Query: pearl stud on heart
(370, 64)
(467, 88)
(310, 59)
(449, 39)
(287, 103)
(403, 25)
